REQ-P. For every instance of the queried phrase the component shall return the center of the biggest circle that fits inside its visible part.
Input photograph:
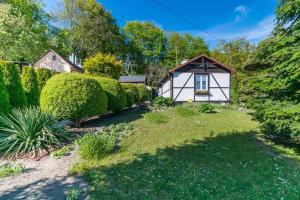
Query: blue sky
(224, 19)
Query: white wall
(59, 65)
(164, 90)
(187, 93)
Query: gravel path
(44, 179)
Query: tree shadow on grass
(227, 166)
(54, 189)
(128, 115)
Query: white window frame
(199, 82)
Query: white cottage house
(52, 60)
(201, 79)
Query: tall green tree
(31, 86)
(92, 29)
(13, 84)
(235, 54)
(274, 89)
(186, 46)
(23, 30)
(147, 44)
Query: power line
(184, 19)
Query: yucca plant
(29, 132)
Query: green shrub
(131, 93)
(103, 65)
(9, 170)
(144, 93)
(95, 146)
(73, 96)
(43, 75)
(157, 118)
(13, 84)
(74, 194)
(162, 102)
(206, 108)
(61, 152)
(133, 89)
(4, 103)
(119, 131)
(281, 120)
(31, 86)
(114, 92)
(29, 131)
(185, 111)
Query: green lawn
(188, 155)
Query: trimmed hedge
(13, 84)
(4, 103)
(103, 65)
(115, 93)
(43, 75)
(73, 96)
(131, 93)
(144, 93)
(31, 86)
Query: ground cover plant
(61, 152)
(206, 108)
(29, 132)
(9, 170)
(202, 156)
(161, 102)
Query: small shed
(133, 79)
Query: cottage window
(201, 82)
(54, 57)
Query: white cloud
(241, 12)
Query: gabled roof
(207, 57)
(132, 79)
(74, 67)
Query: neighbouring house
(201, 79)
(52, 60)
(133, 79)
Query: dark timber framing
(201, 65)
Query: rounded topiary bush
(115, 93)
(131, 93)
(144, 93)
(73, 96)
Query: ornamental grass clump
(96, 146)
(29, 132)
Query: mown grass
(157, 118)
(197, 156)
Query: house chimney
(184, 61)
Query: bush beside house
(30, 85)
(144, 93)
(13, 84)
(43, 75)
(115, 93)
(73, 96)
(103, 65)
(131, 93)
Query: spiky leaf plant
(29, 132)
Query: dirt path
(44, 179)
